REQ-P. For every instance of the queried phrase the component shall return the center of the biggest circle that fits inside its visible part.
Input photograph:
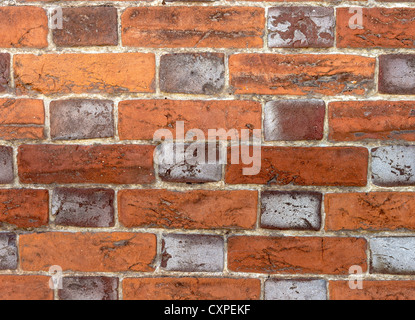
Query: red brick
(21, 119)
(214, 27)
(100, 252)
(195, 209)
(140, 119)
(362, 120)
(13, 287)
(119, 164)
(376, 211)
(295, 255)
(313, 166)
(23, 27)
(191, 289)
(373, 290)
(301, 74)
(381, 28)
(84, 73)
(24, 208)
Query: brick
(382, 28)
(189, 165)
(118, 164)
(26, 27)
(140, 119)
(195, 209)
(88, 252)
(191, 289)
(89, 288)
(301, 74)
(81, 119)
(8, 251)
(24, 208)
(397, 74)
(295, 255)
(83, 207)
(193, 73)
(87, 26)
(373, 290)
(369, 120)
(393, 166)
(214, 27)
(4, 72)
(394, 255)
(300, 27)
(295, 290)
(289, 120)
(291, 210)
(314, 166)
(6, 165)
(112, 73)
(14, 287)
(375, 211)
(189, 252)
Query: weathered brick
(381, 28)
(21, 119)
(397, 74)
(140, 119)
(394, 255)
(83, 207)
(193, 73)
(6, 165)
(89, 288)
(24, 208)
(81, 119)
(327, 166)
(8, 251)
(295, 255)
(112, 73)
(189, 165)
(291, 210)
(23, 26)
(301, 74)
(87, 26)
(214, 27)
(88, 252)
(294, 120)
(300, 27)
(375, 211)
(189, 252)
(393, 166)
(295, 290)
(119, 164)
(4, 72)
(191, 289)
(13, 287)
(364, 120)
(195, 209)
(373, 290)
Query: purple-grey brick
(397, 74)
(83, 207)
(89, 288)
(6, 165)
(192, 253)
(8, 251)
(295, 290)
(4, 71)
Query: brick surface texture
(121, 162)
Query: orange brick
(196, 209)
(101, 252)
(191, 289)
(139, 119)
(301, 74)
(23, 27)
(295, 255)
(84, 73)
(25, 288)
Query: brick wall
(84, 187)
